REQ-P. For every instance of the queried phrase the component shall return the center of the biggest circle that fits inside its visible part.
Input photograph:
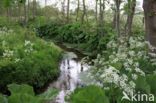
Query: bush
(25, 58)
(50, 30)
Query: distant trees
(150, 21)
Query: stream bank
(70, 67)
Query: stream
(68, 80)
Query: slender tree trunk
(101, 19)
(150, 21)
(78, 7)
(96, 10)
(28, 13)
(128, 26)
(114, 19)
(118, 19)
(82, 18)
(68, 11)
(25, 14)
(19, 12)
(34, 9)
(63, 9)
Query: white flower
(131, 53)
(136, 64)
(27, 42)
(132, 84)
(134, 76)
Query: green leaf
(21, 89)
(90, 94)
(24, 98)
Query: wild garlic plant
(119, 66)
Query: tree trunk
(84, 12)
(28, 13)
(101, 19)
(118, 2)
(114, 19)
(34, 9)
(78, 7)
(150, 21)
(63, 9)
(25, 14)
(96, 10)
(68, 11)
(19, 12)
(128, 26)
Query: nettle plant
(123, 68)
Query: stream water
(68, 80)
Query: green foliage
(23, 59)
(25, 94)
(48, 30)
(79, 37)
(90, 94)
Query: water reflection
(68, 80)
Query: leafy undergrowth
(24, 58)
(79, 37)
(126, 68)
(90, 94)
(25, 94)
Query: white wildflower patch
(122, 68)
(8, 54)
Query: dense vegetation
(117, 33)
(22, 58)
(77, 37)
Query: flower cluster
(5, 32)
(8, 54)
(29, 46)
(120, 65)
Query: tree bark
(28, 13)
(128, 26)
(78, 7)
(118, 2)
(114, 19)
(34, 10)
(19, 12)
(96, 10)
(150, 21)
(101, 19)
(25, 14)
(68, 11)
(84, 12)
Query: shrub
(25, 58)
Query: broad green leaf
(21, 89)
